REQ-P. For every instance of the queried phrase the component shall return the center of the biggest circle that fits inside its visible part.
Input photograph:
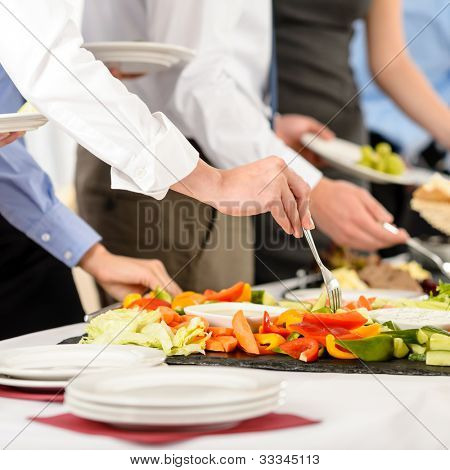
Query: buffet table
(356, 412)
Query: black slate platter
(285, 363)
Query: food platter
(345, 155)
(21, 122)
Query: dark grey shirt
(315, 78)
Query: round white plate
(123, 416)
(345, 155)
(18, 122)
(189, 413)
(175, 386)
(221, 313)
(352, 295)
(408, 317)
(60, 362)
(32, 384)
(140, 57)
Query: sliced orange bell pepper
(186, 299)
(335, 351)
(226, 295)
(246, 295)
(369, 330)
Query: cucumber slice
(162, 294)
(391, 325)
(179, 310)
(417, 348)
(431, 330)
(439, 342)
(416, 357)
(321, 302)
(409, 336)
(438, 358)
(400, 348)
(263, 298)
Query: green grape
(394, 164)
(380, 164)
(383, 148)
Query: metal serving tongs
(331, 284)
(415, 245)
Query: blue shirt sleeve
(28, 202)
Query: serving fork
(331, 284)
(415, 245)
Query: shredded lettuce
(142, 328)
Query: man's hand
(267, 185)
(291, 127)
(351, 217)
(117, 73)
(9, 137)
(120, 275)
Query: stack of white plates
(174, 396)
(18, 122)
(140, 57)
(51, 367)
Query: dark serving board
(286, 363)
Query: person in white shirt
(221, 99)
(147, 153)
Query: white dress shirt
(40, 50)
(220, 98)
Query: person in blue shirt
(386, 122)
(431, 53)
(41, 239)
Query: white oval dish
(408, 317)
(221, 313)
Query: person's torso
(248, 57)
(10, 98)
(313, 39)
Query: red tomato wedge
(244, 333)
(349, 320)
(304, 349)
(226, 295)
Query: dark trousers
(37, 292)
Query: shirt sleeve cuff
(174, 158)
(64, 235)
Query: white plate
(124, 416)
(140, 57)
(175, 386)
(60, 362)
(221, 313)
(33, 384)
(408, 317)
(352, 295)
(345, 155)
(18, 122)
(189, 413)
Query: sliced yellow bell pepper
(246, 295)
(269, 340)
(366, 331)
(289, 317)
(130, 299)
(334, 351)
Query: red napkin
(270, 422)
(21, 394)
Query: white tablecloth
(357, 412)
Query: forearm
(409, 88)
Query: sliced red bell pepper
(269, 327)
(304, 349)
(349, 320)
(149, 304)
(226, 295)
(319, 333)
